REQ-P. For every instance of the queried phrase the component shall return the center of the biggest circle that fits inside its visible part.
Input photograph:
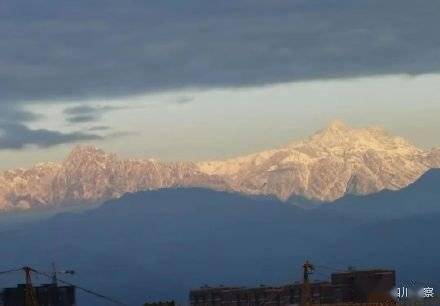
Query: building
(284, 295)
(46, 295)
(359, 287)
(161, 303)
(363, 286)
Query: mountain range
(334, 162)
(157, 245)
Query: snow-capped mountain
(89, 175)
(333, 162)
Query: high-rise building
(46, 295)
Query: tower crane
(306, 298)
(30, 296)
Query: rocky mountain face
(90, 175)
(333, 162)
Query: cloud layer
(55, 49)
(86, 113)
(15, 134)
(18, 136)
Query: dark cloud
(14, 113)
(85, 113)
(81, 110)
(99, 128)
(14, 134)
(18, 136)
(55, 49)
(82, 118)
(184, 100)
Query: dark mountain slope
(409, 244)
(420, 198)
(162, 243)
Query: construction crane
(306, 298)
(30, 296)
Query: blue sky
(210, 79)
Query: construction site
(351, 287)
(371, 287)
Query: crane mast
(30, 297)
(306, 298)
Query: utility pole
(306, 299)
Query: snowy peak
(85, 150)
(340, 138)
(83, 154)
(336, 127)
(337, 160)
(333, 131)
(90, 175)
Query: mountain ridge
(335, 161)
(363, 161)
